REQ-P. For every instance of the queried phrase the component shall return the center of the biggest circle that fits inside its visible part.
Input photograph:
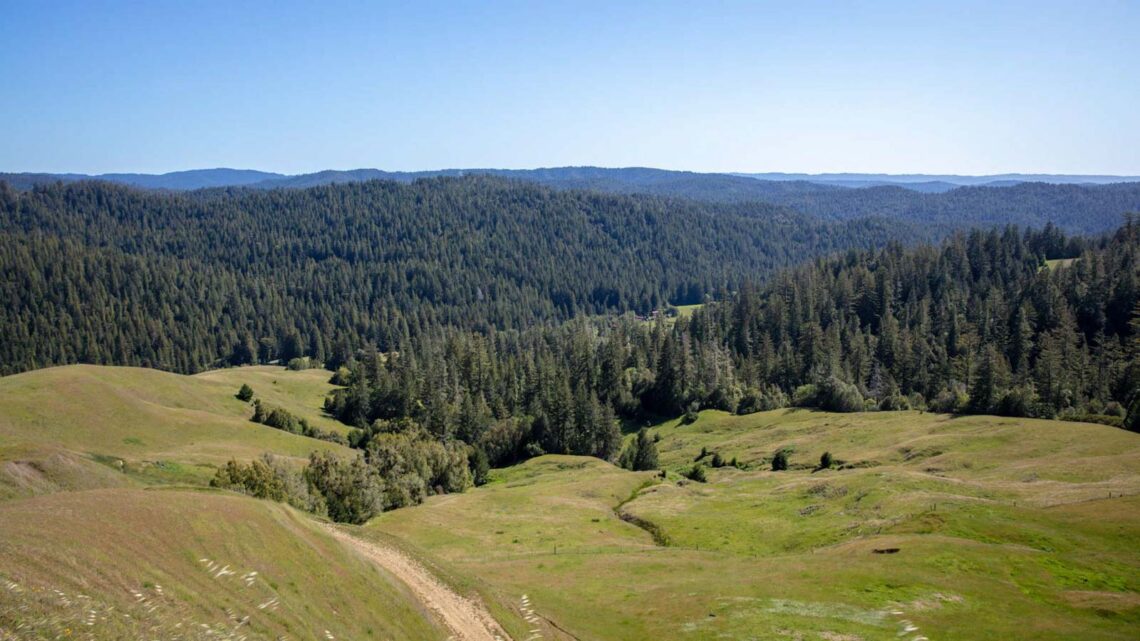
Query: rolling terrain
(926, 526)
(1001, 528)
(83, 426)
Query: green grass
(97, 556)
(1058, 263)
(150, 426)
(1004, 529)
(302, 392)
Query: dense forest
(1083, 209)
(101, 273)
(982, 324)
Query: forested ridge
(981, 324)
(1029, 324)
(1084, 209)
(99, 273)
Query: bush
(950, 400)
(299, 363)
(353, 490)
(825, 461)
(894, 403)
(1022, 401)
(704, 453)
(696, 473)
(271, 478)
(835, 395)
(692, 413)
(805, 395)
(780, 461)
(245, 394)
(755, 400)
(717, 460)
(342, 377)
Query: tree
(824, 461)
(640, 454)
(696, 473)
(780, 461)
(245, 394)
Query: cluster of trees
(345, 490)
(107, 274)
(282, 419)
(396, 469)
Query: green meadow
(927, 526)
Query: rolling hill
(119, 564)
(927, 525)
(988, 528)
(84, 426)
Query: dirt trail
(467, 619)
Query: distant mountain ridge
(724, 187)
(1078, 204)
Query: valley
(999, 527)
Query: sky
(897, 87)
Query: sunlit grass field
(1004, 528)
(65, 427)
(170, 564)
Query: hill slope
(88, 426)
(1003, 529)
(118, 564)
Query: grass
(1004, 529)
(301, 392)
(151, 426)
(117, 564)
(1058, 263)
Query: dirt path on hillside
(467, 619)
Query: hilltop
(85, 426)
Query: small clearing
(467, 619)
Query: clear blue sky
(986, 87)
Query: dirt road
(467, 619)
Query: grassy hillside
(302, 393)
(162, 564)
(152, 425)
(1003, 529)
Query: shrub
(342, 377)
(894, 403)
(704, 453)
(780, 461)
(805, 395)
(696, 473)
(825, 461)
(835, 395)
(692, 413)
(950, 400)
(299, 363)
(717, 460)
(245, 394)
